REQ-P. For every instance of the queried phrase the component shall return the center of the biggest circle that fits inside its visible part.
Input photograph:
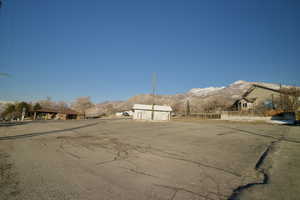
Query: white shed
(151, 112)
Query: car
(126, 114)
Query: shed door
(140, 115)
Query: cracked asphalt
(130, 160)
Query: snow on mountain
(244, 84)
(239, 82)
(205, 91)
(240, 85)
(233, 91)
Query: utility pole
(153, 86)
(280, 96)
(153, 94)
(272, 97)
(187, 108)
(23, 113)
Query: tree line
(13, 111)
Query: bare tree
(81, 104)
(287, 101)
(215, 104)
(109, 109)
(61, 106)
(178, 107)
(2, 108)
(290, 99)
(47, 103)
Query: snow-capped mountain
(234, 90)
(202, 92)
(197, 97)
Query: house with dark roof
(47, 114)
(257, 95)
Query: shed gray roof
(149, 107)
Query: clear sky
(109, 49)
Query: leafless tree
(2, 108)
(61, 105)
(178, 107)
(81, 104)
(109, 109)
(290, 99)
(214, 106)
(47, 103)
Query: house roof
(259, 86)
(244, 96)
(69, 111)
(251, 100)
(246, 99)
(150, 107)
(65, 111)
(265, 86)
(45, 110)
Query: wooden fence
(243, 113)
(205, 115)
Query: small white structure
(151, 112)
(119, 114)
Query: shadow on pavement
(45, 133)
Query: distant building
(47, 114)
(257, 95)
(243, 104)
(151, 112)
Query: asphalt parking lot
(125, 159)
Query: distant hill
(198, 98)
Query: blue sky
(109, 49)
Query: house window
(245, 105)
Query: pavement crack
(174, 195)
(106, 162)
(201, 164)
(177, 189)
(241, 131)
(139, 172)
(258, 167)
(72, 154)
(62, 148)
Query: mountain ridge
(198, 97)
